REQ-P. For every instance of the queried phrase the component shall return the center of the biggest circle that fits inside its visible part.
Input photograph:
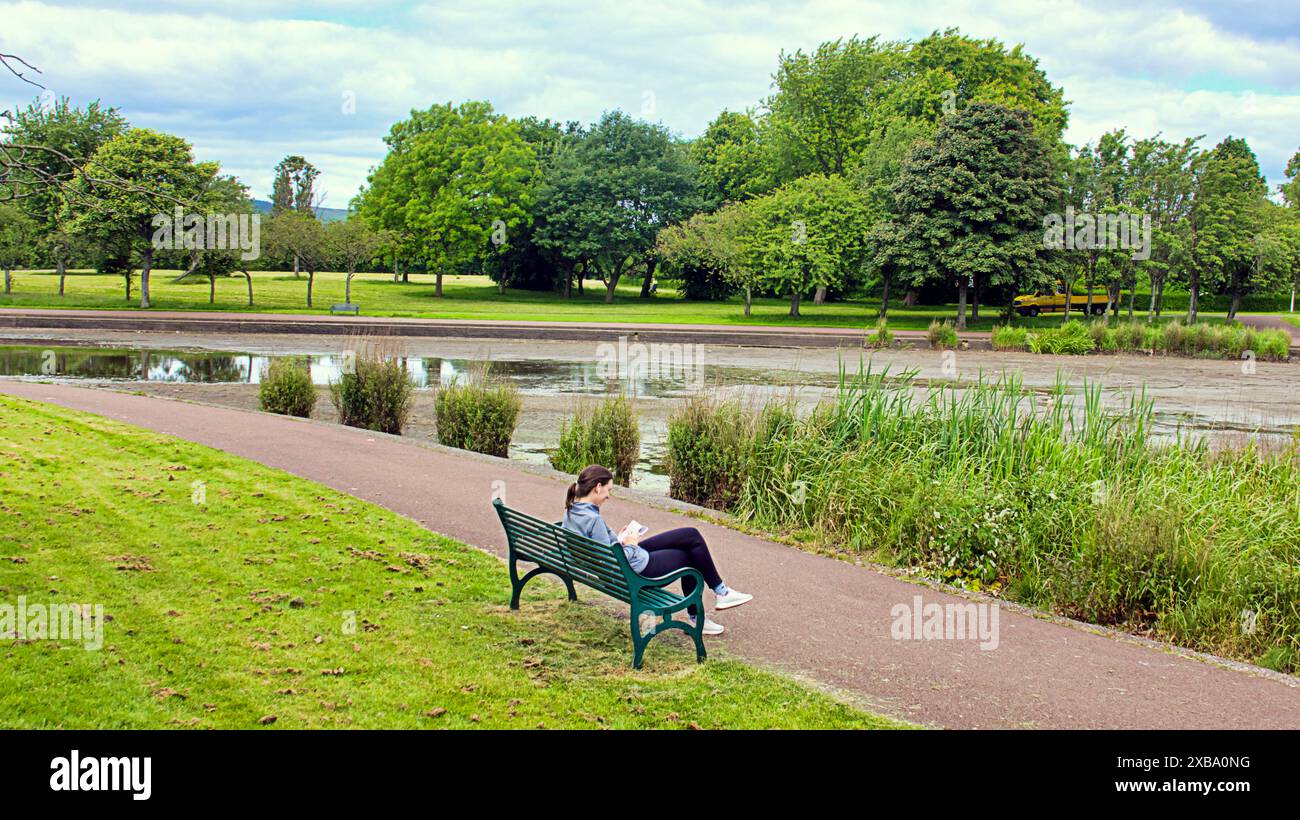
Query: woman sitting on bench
(654, 557)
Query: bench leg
(517, 583)
(638, 643)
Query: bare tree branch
(4, 60)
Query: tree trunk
(748, 300)
(437, 288)
(819, 295)
(212, 290)
(146, 260)
(396, 275)
(6, 280)
(1088, 277)
(582, 274)
(63, 272)
(975, 299)
(1192, 294)
(612, 282)
(295, 267)
(650, 265)
(311, 276)
(128, 286)
(1236, 303)
(961, 303)
(347, 288)
(249, 277)
(1160, 297)
(909, 298)
(884, 298)
(1132, 297)
(568, 282)
(794, 302)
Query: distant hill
(323, 214)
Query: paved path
(813, 616)
(228, 322)
(1272, 322)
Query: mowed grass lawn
(256, 598)
(473, 297)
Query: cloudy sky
(249, 81)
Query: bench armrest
(665, 580)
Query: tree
(17, 240)
(805, 235)
(1226, 218)
(453, 175)
(708, 249)
(603, 203)
(732, 160)
(1161, 184)
(515, 259)
(821, 116)
(223, 196)
(295, 186)
(303, 236)
(349, 243)
(971, 206)
(1290, 189)
(162, 173)
(46, 144)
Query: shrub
(942, 335)
(479, 415)
(882, 337)
(286, 389)
(606, 435)
(1273, 345)
(708, 451)
(378, 392)
(1072, 338)
(1007, 337)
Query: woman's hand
(628, 536)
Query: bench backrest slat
(600, 566)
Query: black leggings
(675, 549)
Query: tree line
(928, 169)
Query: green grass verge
(234, 607)
(473, 297)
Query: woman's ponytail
(591, 476)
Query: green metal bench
(604, 568)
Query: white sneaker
(732, 598)
(710, 627)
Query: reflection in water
(553, 377)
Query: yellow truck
(1054, 302)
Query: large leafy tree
(516, 259)
(822, 114)
(453, 175)
(732, 160)
(160, 173)
(804, 236)
(709, 252)
(1225, 220)
(970, 206)
(603, 203)
(43, 147)
(1161, 183)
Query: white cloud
(258, 80)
